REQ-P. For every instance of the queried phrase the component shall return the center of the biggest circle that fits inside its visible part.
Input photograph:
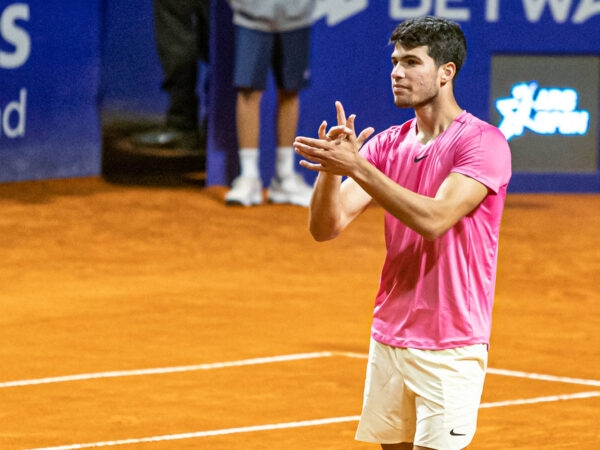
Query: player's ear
(448, 71)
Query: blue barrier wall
(49, 79)
(53, 130)
(131, 74)
(350, 62)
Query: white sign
(542, 111)
(561, 11)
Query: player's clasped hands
(335, 151)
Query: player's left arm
(431, 217)
(457, 197)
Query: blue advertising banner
(350, 63)
(49, 78)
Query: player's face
(415, 77)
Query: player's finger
(364, 135)
(341, 114)
(323, 130)
(350, 121)
(335, 132)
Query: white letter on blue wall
(18, 108)
(397, 11)
(492, 11)
(559, 9)
(586, 9)
(15, 35)
(337, 11)
(443, 10)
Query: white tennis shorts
(427, 397)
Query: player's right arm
(334, 205)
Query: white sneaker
(245, 191)
(292, 189)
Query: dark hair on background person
(444, 39)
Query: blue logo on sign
(541, 110)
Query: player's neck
(433, 120)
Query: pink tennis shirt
(439, 294)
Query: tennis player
(441, 178)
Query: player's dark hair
(444, 39)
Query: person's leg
(247, 187)
(448, 385)
(177, 46)
(291, 70)
(388, 415)
(177, 26)
(288, 109)
(202, 21)
(248, 117)
(403, 446)
(288, 104)
(248, 126)
(251, 69)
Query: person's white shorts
(428, 397)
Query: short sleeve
(484, 156)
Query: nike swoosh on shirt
(420, 159)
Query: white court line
(267, 427)
(200, 434)
(537, 376)
(550, 398)
(165, 370)
(264, 360)
(288, 425)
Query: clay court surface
(149, 318)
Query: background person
(182, 40)
(270, 34)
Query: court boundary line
(286, 425)
(263, 360)
(297, 424)
(165, 370)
